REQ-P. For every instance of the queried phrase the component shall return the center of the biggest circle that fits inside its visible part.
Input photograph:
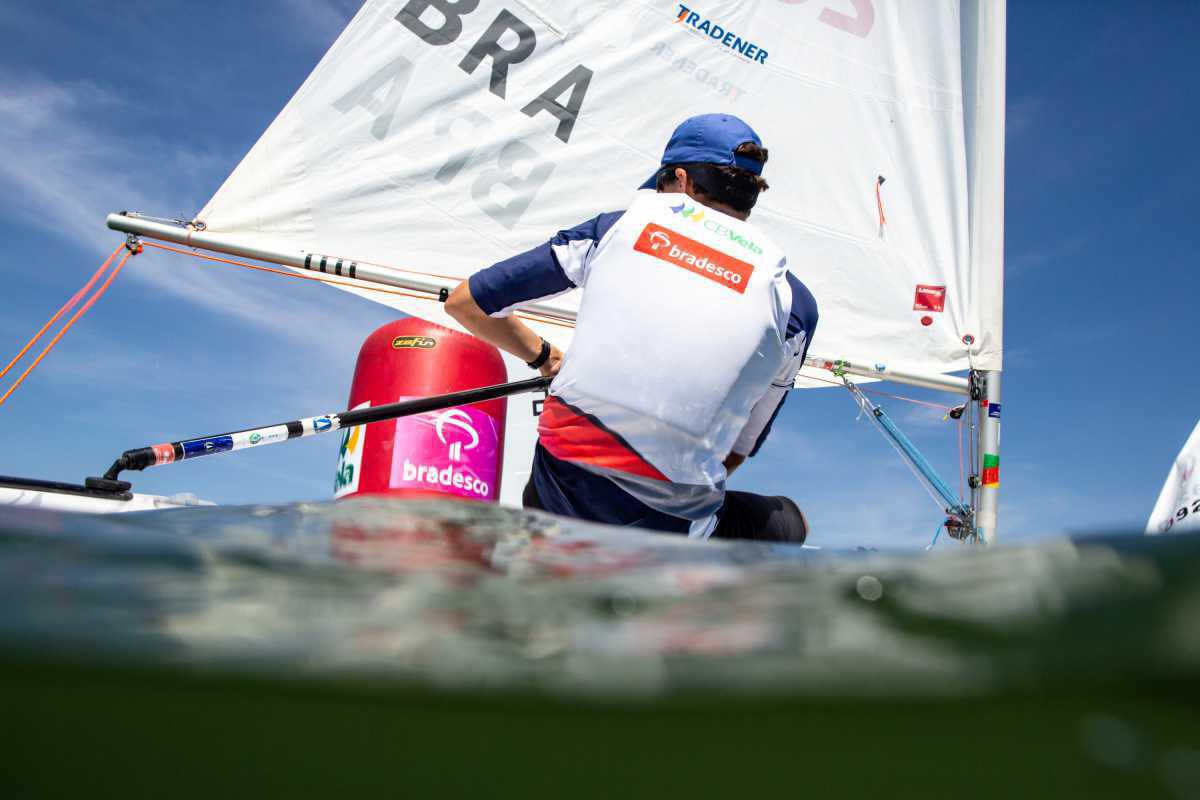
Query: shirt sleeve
(802, 324)
(548, 270)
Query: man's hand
(553, 363)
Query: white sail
(440, 136)
(1178, 506)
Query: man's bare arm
(507, 333)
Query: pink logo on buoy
(452, 451)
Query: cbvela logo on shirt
(695, 214)
(675, 248)
(688, 212)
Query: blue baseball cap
(709, 139)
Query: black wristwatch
(542, 357)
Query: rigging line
(406, 269)
(882, 394)
(91, 301)
(285, 273)
(972, 452)
(961, 462)
(936, 533)
(67, 306)
(533, 316)
(200, 226)
(334, 282)
(866, 408)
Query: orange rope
(534, 317)
(285, 273)
(404, 269)
(545, 320)
(67, 306)
(879, 201)
(74, 318)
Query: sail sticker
(991, 470)
(675, 248)
(930, 298)
(711, 29)
(994, 410)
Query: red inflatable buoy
(452, 453)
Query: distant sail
(1178, 506)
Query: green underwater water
(448, 649)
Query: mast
(989, 456)
(984, 36)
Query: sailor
(689, 334)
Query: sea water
(460, 600)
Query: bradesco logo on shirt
(675, 248)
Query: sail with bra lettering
(440, 136)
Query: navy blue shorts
(575, 492)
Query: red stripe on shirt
(572, 436)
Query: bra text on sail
(450, 27)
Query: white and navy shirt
(689, 335)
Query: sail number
(450, 26)
(1180, 515)
(506, 190)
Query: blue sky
(149, 105)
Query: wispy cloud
(1022, 116)
(67, 170)
(1051, 255)
(318, 21)
(924, 419)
